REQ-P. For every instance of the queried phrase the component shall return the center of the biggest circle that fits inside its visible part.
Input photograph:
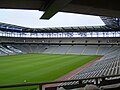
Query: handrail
(53, 82)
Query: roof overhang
(51, 7)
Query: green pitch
(38, 67)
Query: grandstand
(84, 40)
(108, 65)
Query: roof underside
(51, 7)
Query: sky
(31, 19)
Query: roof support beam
(52, 9)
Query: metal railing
(100, 81)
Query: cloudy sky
(30, 18)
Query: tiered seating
(61, 49)
(64, 49)
(90, 50)
(5, 50)
(23, 48)
(27, 48)
(1, 52)
(36, 48)
(108, 65)
(17, 51)
(103, 49)
(51, 49)
(112, 52)
(76, 49)
(41, 48)
(104, 67)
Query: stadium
(61, 58)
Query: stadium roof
(51, 7)
(112, 24)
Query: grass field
(38, 67)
